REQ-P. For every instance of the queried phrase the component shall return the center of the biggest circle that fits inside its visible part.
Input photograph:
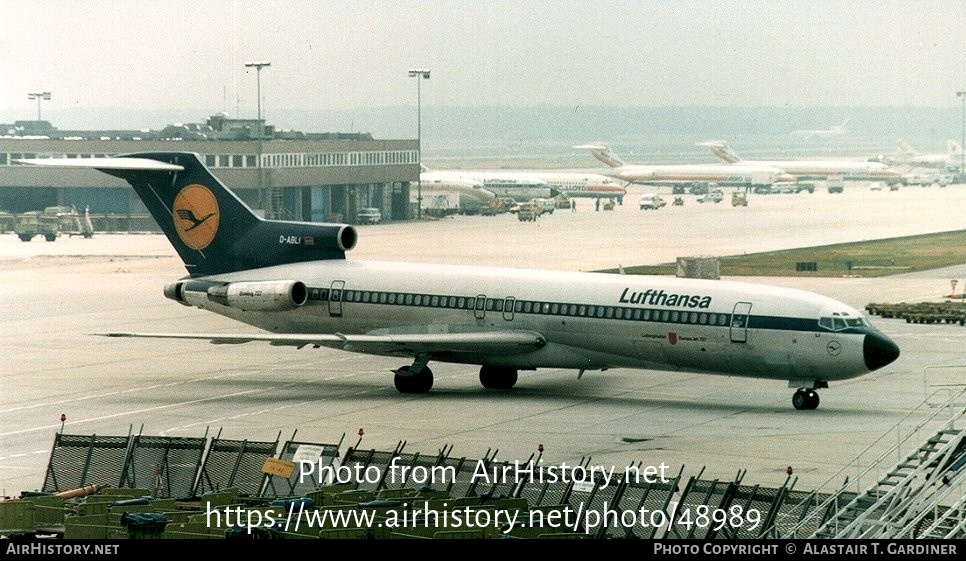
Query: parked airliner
(472, 195)
(515, 185)
(810, 169)
(573, 184)
(675, 174)
(292, 279)
(907, 155)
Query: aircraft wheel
(811, 399)
(805, 399)
(407, 381)
(498, 377)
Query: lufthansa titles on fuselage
(653, 297)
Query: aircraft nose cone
(878, 350)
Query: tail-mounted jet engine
(260, 296)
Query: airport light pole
(39, 96)
(261, 136)
(258, 71)
(424, 74)
(962, 137)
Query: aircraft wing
(407, 344)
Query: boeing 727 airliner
(292, 280)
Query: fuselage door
(479, 309)
(739, 322)
(335, 298)
(508, 308)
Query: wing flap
(506, 342)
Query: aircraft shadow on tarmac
(549, 391)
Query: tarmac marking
(131, 412)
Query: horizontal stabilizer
(144, 164)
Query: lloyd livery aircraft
(292, 280)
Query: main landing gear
(418, 378)
(497, 377)
(805, 399)
(408, 380)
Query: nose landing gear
(805, 399)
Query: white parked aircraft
(472, 195)
(574, 184)
(951, 159)
(810, 169)
(675, 174)
(520, 186)
(836, 130)
(292, 280)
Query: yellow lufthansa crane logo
(196, 216)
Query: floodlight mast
(39, 96)
(424, 74)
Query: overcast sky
(348, 54)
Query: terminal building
(284, 175)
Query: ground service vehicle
(369, 215)
(547, 206)
(528, 212)
(835, 185)
(713, 196)
(52, 222)
(36, 223)
(652, 202)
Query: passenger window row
(511, 305)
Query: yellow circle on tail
(196, 216)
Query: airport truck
(37, 223)
(444, 204)
(52, 222)
(835, 184)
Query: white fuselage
(589, 320)
(582, 184)
(723, 174)
(822, 169)
(471, 194)
(520, 186)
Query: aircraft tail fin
(603, 153)
(722, 151)
(212, 229)
(904, 148)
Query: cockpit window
(840, 321)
